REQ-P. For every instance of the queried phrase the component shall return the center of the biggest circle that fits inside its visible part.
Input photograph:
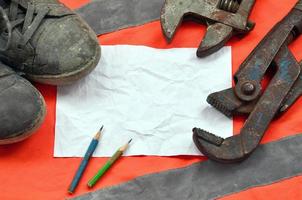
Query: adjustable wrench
(224, 18)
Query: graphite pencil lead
(101, 128)
(123, 148)
(98, 134)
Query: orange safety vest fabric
(29, 171)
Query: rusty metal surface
(223, 17)
(248, 96)
(293, 95)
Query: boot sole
(36, 124)
(67, 78)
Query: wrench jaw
(217, 34)
(221, 150)
(224, 101)
(169, 29)
(229, 104)
(216, 37)
(170, 19)
(224, 18)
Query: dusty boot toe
(66, 56)
(22, 107)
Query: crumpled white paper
(153, 96)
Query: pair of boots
(47, 43)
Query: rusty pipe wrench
(247, 95)
(223, 17)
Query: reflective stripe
(209, 180)
(110, 15)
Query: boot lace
(30, 21)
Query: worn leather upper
(62, 43)
(21, 104)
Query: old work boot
(22, 108)
(48, 42)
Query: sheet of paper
(154, 96)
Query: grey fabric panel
(110, 15)
(209, 180)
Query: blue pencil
(83, 165)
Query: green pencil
(108, 164)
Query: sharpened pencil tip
(123, 148)
(98, 134)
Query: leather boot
(47, 41)
(22, 108)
